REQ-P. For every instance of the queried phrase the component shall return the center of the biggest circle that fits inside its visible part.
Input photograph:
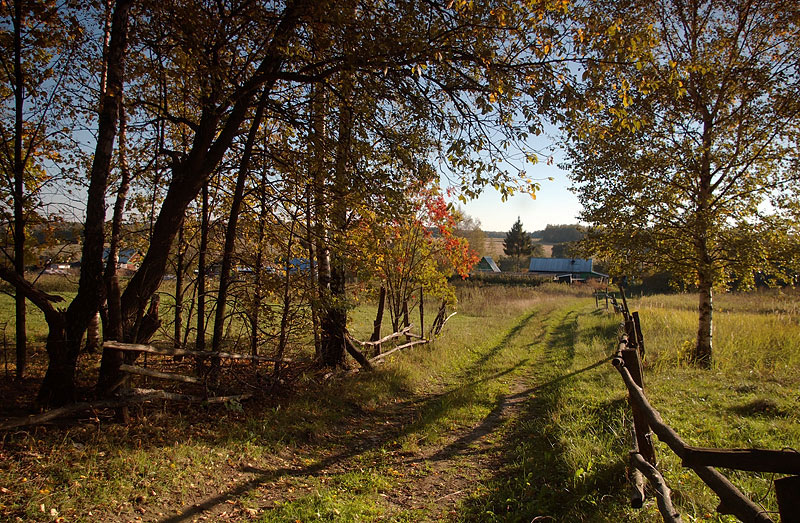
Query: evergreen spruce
(517, 243)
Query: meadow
(432, 434)
(749, 399)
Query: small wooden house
(487, 264)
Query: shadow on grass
(502, 344)
(438, 407)
(383, 428)
(536, 479)
(461, 445)
(762, 407)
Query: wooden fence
(647, 420)
(125, 395)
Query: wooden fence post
(625, 310)
(630, 358)
(787, 490)
(637, 327)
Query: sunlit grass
(563, 457)
(568, 451)
(110, 469)
(754, 334)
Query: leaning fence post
(630, 358)
(638, 331)
(625, 311)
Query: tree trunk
(93, 342)
(58, 385)
(189, 315)
(406, 320)
(179, 272)
(313, 276)
(395, 311)
(112, 359)
(63, 344)
(334, 321)
(258, 271)
(703, 351)
(376, 325)
(210, 142)
(19, 187)
(702, 356)
(230, 232)
(287, 301)
(200, 340)
(421, 312)
(331, 349)
(333, 324)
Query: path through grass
(515, 414)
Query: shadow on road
(535, 478)
(400, 418)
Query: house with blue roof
(127, 258)
(565, 269)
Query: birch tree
(689, 139)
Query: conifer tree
(517, 243)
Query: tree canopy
(302, 116)
(685, 157)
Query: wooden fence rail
(134, 347)
(700, 460)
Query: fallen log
(36, 419)
(140, 395)
(131, 398)
(405, 331)
(135, 347)
(132, 369)
(399, 347)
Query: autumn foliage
(415, 251)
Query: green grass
(330, 450)
(756, 335)
(64, 286)
(236, 328)
(351, 496)
(567, 450)
(106, 468)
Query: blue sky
(554, 203)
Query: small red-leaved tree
(415, 254)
